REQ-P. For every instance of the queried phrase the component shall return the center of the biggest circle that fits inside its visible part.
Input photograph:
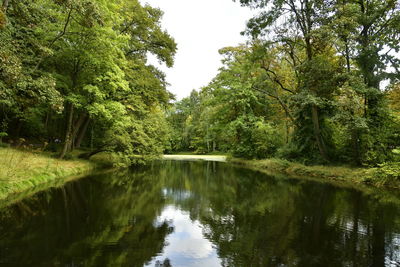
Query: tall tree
(301, 22)
(311, 33)
(72, 65)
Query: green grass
(333, 173)
(21, 171)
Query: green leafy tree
(310, 33)
(68, 67)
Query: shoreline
(30, 190)
(24, 173)
(356, 176)
(20, 178)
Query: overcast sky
(200, 28)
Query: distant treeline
(317, 82)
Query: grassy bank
(372, 176)
(23, 171)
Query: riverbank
(24, 171)
(379, 177)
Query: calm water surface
(203, 214)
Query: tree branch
(283, 105)
(292, 6)
(61, 34)
(275, 79)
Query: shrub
(267, 139)
(386, 174)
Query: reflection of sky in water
(180, 195)
(186, 246)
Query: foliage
(306, 87)
(387, 174)
(227, 115)
(77, 71)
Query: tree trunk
(46, 123)
(18, 129)
(317, 133)
(283, 105)
(347, 55)
(77, 126)
(82, 133)
(68, 132)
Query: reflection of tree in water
(107, 220)
(255, 220)
(165, 263)
(252, 219)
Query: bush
(290, 152)
(386, 174)
(267, 139)
(254, 138)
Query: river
(203, 214)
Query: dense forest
(74, 73)
(300, 124)
(317, 82)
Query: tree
(69, 66)
(373, 36)
(301, 23)
(310, 33)
(227, 115)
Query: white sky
(200, 28)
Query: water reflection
(186, 246)
(200, 214)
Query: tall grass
(20, 170)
